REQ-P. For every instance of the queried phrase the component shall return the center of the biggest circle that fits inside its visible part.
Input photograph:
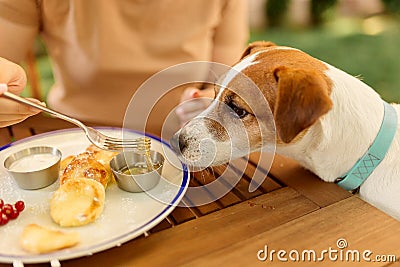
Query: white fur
(335, 143)
(234, 71)
(204, 149)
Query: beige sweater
(103, 50)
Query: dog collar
(375, 154)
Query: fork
(100, 140)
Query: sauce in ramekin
(33, 163)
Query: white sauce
(33, 163)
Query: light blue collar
(375, 154)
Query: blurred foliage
(391, 6)
(318, 10)
(39, 47)
(370, 57)
(43, 65)
(275, 12)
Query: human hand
(13, 79)
(193, 102)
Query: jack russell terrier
(327, 120)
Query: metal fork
(97, 138)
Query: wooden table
(292, 211)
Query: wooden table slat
(197, 238)
(308, 184)
(206, 178)
(21, 133)
(182, 214)
(251, 171)
(349, 219)
(241, 189)
(164, 224)
(5, 137)
(202, 196)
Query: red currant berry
(1, 203)
(13, 215)
(19, 205)
(3, 219)
(7, 209)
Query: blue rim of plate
(117, 240)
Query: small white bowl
(34, 167)
(124, 161)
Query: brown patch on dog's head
(302, 98)
(256, 46)
(294, 84)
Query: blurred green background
(373, 58)
(362, 41)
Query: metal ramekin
(38, 178)
(139, 182)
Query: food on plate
(77, 202)
(35, 162)
(64, 163)
(86, 166)
(83, 180)
(102, 156)
(38, 239)
(19, 205)
(10, 212)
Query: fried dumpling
(86, 166)
(102, 156)
(64, 163)
(77, 202)
(38, 239)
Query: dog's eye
(239, 111)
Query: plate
(125, 216)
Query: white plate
(125, 216)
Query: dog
(322, 117)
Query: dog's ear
(256, 46)
(302, 98)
